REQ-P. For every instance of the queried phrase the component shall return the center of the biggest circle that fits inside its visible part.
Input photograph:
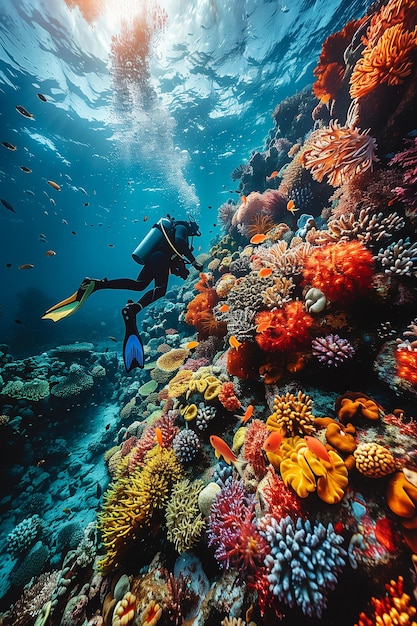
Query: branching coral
(339, 152)
(184, 520)
(304, 563)
(232, 531)
(278, 499)
(256, 434)
(332, 350)
(288, 328)
(292, 415)
(394, 608)
(399, 258)
(284, 259)
(342, 271)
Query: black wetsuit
(158, 267)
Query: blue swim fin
(132, 345)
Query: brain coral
(184, 520)
(306, 558)
(170, 361)
(374, 460)
(76, 382)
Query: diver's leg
(130, 284)
(159, 269)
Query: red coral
(280, 500)
(406, 362)
(342, 270)
(228, 397)
(128, 445)
(331, 66)
(288, 328)
(255, 437)
(244, 363)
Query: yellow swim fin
(69, 305)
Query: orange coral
(386, 62)
(339, 152)
(198, 309)
(394, 608)
(342, 271)
(357, 404)
(288, 328)
(406, 362)
(331, 66)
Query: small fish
(158, 435)
(99, 491)
(67, 510)
(145, 219)
(25, 266)
(243, 199)
(273, 441)
(40, 463)
(25, 169)
(73, 232)
(191, 345)
(8, 265)
(291, 206)
(42, 97)
(9, 146)
(21, 109)
(50, 253)
(86, 203)
(222, 449)
(8, 206)
(42, 237)
(111, 245)
(259, 238)
(248, 414)
(54, 185)
(317, 448)
(224, 308)
(30, 192)
(273, 175)
(265, 272)
(83, 190)
(262, 327)
(234, 343)
(52, 201)
(18, 322)
(64, 221)
(113, 338)
(107, 425)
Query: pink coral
(332, 350)
(271, 202)
(256, 433)
(148, 439)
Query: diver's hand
(198, 266)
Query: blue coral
(304, 562)
(24, 535)
(186, 445)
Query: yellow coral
(184, 520)
(190, 412)
(292, 415)
(302, 470)
(238, 439)
(204, 382)
(178, 385)
(124, 611)
(374, 460)
(170, 361)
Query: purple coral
(233, 532)
(407, 160)
(332, 350)
(186, 445)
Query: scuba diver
(163, 251)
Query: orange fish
(273, 441)
(224, 308)
(191, 345)
(244, 199)
(248, 414)
(158, 435)
(264, 272)
(145, 218)
(54, 185)
(67, 510)
(262, 327)
(291, 206)
(259, 238)
(317, 448)
(234, 343)
(273, 175)
(50, 253)
(222, 449)
(25, 266)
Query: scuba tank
(154, 240)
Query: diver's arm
(181, 243)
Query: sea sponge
(224, 285)
(178, 385)
(402, 496)
(292, 415)
(374, 460)
(184, 520)
(170, 361)
(206, 497)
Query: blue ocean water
(129, 139)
